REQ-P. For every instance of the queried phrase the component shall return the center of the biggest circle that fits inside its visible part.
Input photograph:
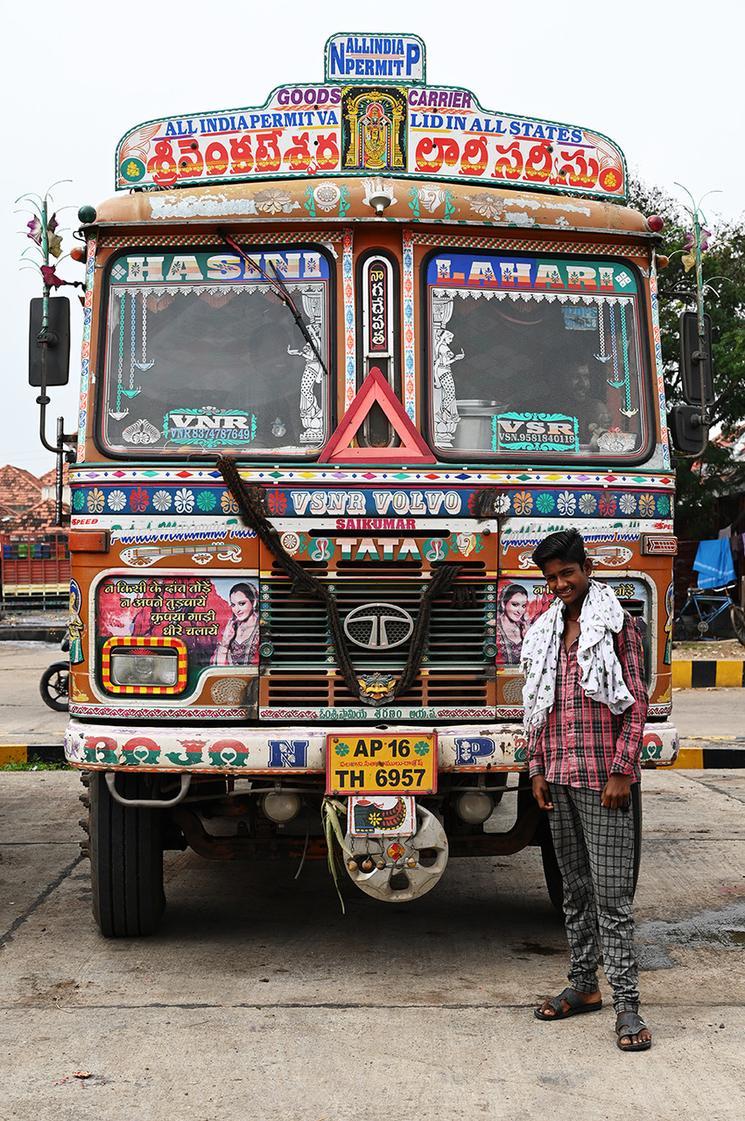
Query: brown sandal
(630, 1024)
(577, 1006)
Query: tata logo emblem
(378, 626)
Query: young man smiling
(585, 706)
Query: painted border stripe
(681, 674)
(730, 673)
(703, 675)
(690, 759)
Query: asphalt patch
(723, 929)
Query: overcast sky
(663, 79)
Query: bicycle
(709, 611)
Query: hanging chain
(120, 367)
(132, 338)
(613, 339)
(625, 355)
(144, 328)
(601, 327)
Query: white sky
(663, 79)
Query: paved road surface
(25, 719)
(259, 1000)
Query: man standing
(586, 703)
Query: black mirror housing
(696, 371)
(687, 430)
(49, 361)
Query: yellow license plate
(381, 764)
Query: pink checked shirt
(582, 742)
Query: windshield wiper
(279, 288)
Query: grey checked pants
(595, 852)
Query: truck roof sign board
(360, 58)
(373, 116)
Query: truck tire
(551, 871)
(126, 859)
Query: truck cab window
(539, 356)
(202, 355)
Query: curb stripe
(720, 674)
(24, 752)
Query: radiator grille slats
(297, 626)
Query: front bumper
(240, 750)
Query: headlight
(134, 668)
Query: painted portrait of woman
(238, 644)
(512, 624)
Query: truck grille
(456, 667)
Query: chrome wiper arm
(280, 290)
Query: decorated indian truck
(347, 358)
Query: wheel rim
(57, 686)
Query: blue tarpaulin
(714, 563)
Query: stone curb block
(28, 752)
(700, 753)
(722, 674)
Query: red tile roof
(19, 489)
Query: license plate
(381, 764)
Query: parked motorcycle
(55, 682)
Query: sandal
(576, 1006)
(630, 1024)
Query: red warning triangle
(376, 390)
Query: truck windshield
(535, 356)
(201, 355)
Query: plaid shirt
(582, 742)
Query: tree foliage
(700, 483)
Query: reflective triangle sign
(375, 390)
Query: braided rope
(250, 501)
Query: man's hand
(616, 792)
(541, 793)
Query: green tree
(701, 482)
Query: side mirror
(695, 360)
(49, 354)
(687, 430)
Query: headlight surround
(144, 666)
(134, 667)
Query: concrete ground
(258, 999)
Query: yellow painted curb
(13, 753)
(729, 673)
(690, 759)
(682, 672)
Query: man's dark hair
(567, 545)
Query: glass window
(533, 356)
(202, 354)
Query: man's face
(580, 382)
(568, 580)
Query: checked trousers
(595, 853)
